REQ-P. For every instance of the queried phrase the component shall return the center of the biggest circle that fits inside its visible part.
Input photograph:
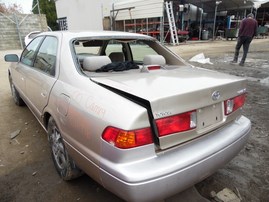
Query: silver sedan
(128, 112)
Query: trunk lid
(179, 90)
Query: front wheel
(64, 164)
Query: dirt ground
(27, 172)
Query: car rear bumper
(174, 170)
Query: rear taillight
(176, 123)
(233, 104)
(127, 139)
(154, 67)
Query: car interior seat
(93, 63)
(154, 60)
(116, 57)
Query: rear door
(42, 76)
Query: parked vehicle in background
(129, 112)
(30, 36)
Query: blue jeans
(245, 41)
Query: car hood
(177, 90)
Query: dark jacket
(248, 27)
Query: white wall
(142, 9)
(89, 14)
(81, 14)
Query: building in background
(81, 14)
(201, 19)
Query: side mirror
(11, 58)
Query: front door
(26, 62)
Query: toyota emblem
(215, 95)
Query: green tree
(48, 8)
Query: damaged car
(128, 112)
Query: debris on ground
(14, 134)
(200, 58)
(1, 165)
(262, 136)
(249, 147)
(225, 195)
(265, 81)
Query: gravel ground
(247, 174)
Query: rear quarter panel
(82, 109)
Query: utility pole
(214, 26)
(38, 7)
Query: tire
(15, 94)
(63, 163)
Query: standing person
(247, 31)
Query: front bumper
(172, 171)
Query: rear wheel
(15, 94)
(64, 164)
